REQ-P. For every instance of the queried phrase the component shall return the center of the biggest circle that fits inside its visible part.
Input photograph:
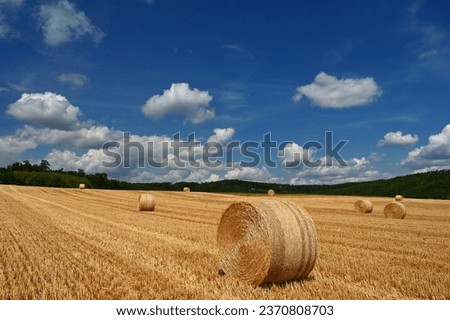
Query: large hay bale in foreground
(186, 189)
(82, 186)
(363, 206)
(146, 202)
(266, 241)
(270, 193)
(395, 210)
(398, 197)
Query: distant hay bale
(363, 206)
(82, 186)
(398, 197)
(146, 202)
(266, 241)
(395, 210)
(271, 193)
(186, 189)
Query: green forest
(432, 185)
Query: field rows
(92, 244)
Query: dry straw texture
(395, 210)
(82, 186)
(146, 202)
(363, 206)
(398, 197)
(266, 241)
(186, 189)
(270, 193)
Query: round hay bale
(146, 202)
(395, 210)
(186, 189)
(363, 206)
(82, 186)
(270, 193)
(398, 197)
(266, 241)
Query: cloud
(49, 109)
(5, 29)
(233, 99)
(11, 147)
(398, 139)
(234, 47)
(430, 42)
(170, 176)
(433, 156)
(430, 34)
(180, 99)
(294, 159)
(329, 92)
(61, 128)
(17, 87)
(293, 154)
(15, 3)
(358, 169)
(249, 174)
(202, 175)
(85, 138)
(75, 80)
(213, 178)
(429, 53)
(199, 175)
(61, 23)
(91, 161)
(376, 157)
(222, 135)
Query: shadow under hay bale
(266, 241)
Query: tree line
(434, 184)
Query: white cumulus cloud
(49, 109)
(329, 92)
(433, 156)
(91, 161)
(249, 174)
(169, 176)
(222, 135)
(85, 138)
(75, 80)
(11, 147)
(292, 155)
(61, 23)
(180, 99)
(357, 169)
(398, 139)
(202, 175)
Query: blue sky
(76, 74)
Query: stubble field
(94, 244)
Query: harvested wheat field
(92, 244)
